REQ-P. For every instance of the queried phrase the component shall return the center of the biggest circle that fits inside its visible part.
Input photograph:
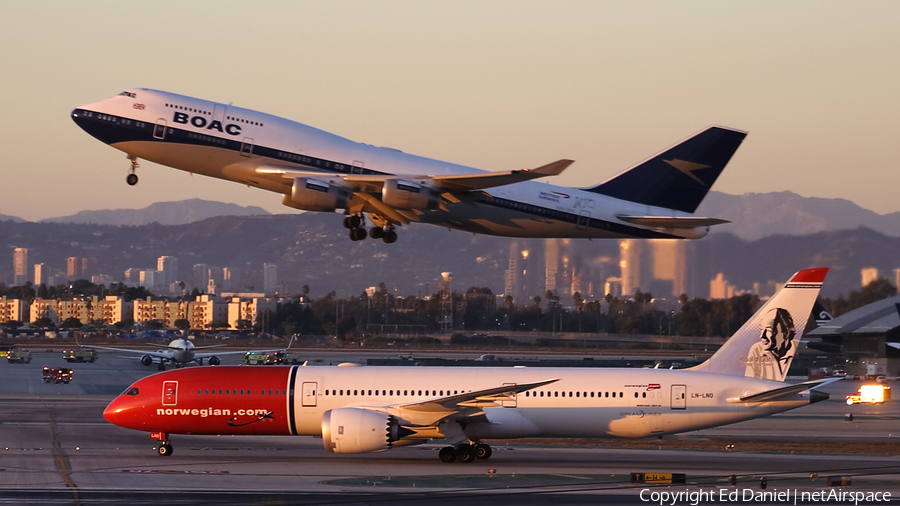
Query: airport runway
(55, 448)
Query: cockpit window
(132, 391)
(128, 94)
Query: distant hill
(313, 249)
(752, 215)
(16, 219)
(757, 215)
(164, 213)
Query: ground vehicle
(875, 370)
(292, 358)
(870, 394)
(275, 358)
(60, 375)
(19, 357)
(255, 358)
(80, 355)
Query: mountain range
(313, 249)
(164, 213)
(772, 236)
(752, 215)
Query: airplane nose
(112, 412)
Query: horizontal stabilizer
(671, 221)
(785, 392)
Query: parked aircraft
(179, 352)
(318, 171)
(366, 409)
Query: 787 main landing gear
(465, 452)
(132, 178)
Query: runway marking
(62, 462)
(171, 471)
(573, 476)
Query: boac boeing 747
(319, 171)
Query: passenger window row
(234, 391)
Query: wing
(432, 412)
(154, 354)
(371, 183)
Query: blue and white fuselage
(319, 171)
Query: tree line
(476, 309)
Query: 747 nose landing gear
(132, 178)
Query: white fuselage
(231, 143)
(585, 402)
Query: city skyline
(518, 85)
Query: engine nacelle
(408, 195)
(314, 195)
(214, 360)
(358, 430)
(146, 360)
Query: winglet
(552, 169)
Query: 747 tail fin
(765, 345)
(679, 177)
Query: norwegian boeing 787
(367, 409)
(318, 171)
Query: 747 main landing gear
(357, 226)
(132, 178)
(465, 452)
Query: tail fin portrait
(765, 345)
(679, 177)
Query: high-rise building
(613, 287)
(72, 268)
(869, 274)
(201, 276)
(20, 266)
(231, 279)
(720, 288)
(147, 278)
(40, 274)
(168, 268)
(670, 264)
(551, 264)
(635, 266)
(270, 278)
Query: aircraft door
(219, 113)
(584, 219)
(247, 147)
(679, 396)
(308, 395)
(170, 393)
(357, 167)
(510, 401)
(159, 130)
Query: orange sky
(494, 85)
